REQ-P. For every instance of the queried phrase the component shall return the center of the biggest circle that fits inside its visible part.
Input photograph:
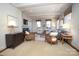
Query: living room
(47, 27)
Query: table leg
(62, 40)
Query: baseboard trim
(73, 47)
(3, 50)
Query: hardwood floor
(41, 48)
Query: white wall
(5, 10)
(33, 25)
(75, 25)
(43, 25)
(24, 16)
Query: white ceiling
(42, 10)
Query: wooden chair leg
(62, 41)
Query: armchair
(29, 36)
(50, 39)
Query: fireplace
(26, 29)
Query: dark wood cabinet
(12, 40)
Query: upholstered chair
(29, 36)
(50, 38)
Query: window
(48, 23)
(38, 23)
(67, 18)
(67, 22)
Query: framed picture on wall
(12, 21)
(12, 24)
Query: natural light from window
(48, 23)
(38, 23)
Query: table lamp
(12, 25)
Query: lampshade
(12, 23)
